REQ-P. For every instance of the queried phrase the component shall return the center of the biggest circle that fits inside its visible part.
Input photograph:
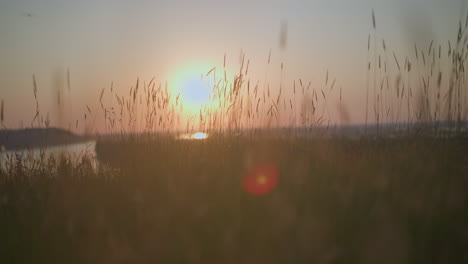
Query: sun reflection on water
(199, 135)
(194, 136)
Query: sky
(117, 41)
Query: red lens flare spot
(261, 180)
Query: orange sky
(103, 43)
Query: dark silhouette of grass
(163, 200)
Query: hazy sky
(116, 40)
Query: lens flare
(261, 180)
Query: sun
(194, 92)
(191, 87)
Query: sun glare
(192, 89)
(195, 92)
(199, 135)
(194, 136)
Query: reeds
(430, 98)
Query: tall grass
(420, 90)
(169, 200)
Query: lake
(75, 151)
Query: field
(336, 201)
(251, 194)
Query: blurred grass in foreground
(161, 200)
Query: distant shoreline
(33, 138)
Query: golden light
(199, 135)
